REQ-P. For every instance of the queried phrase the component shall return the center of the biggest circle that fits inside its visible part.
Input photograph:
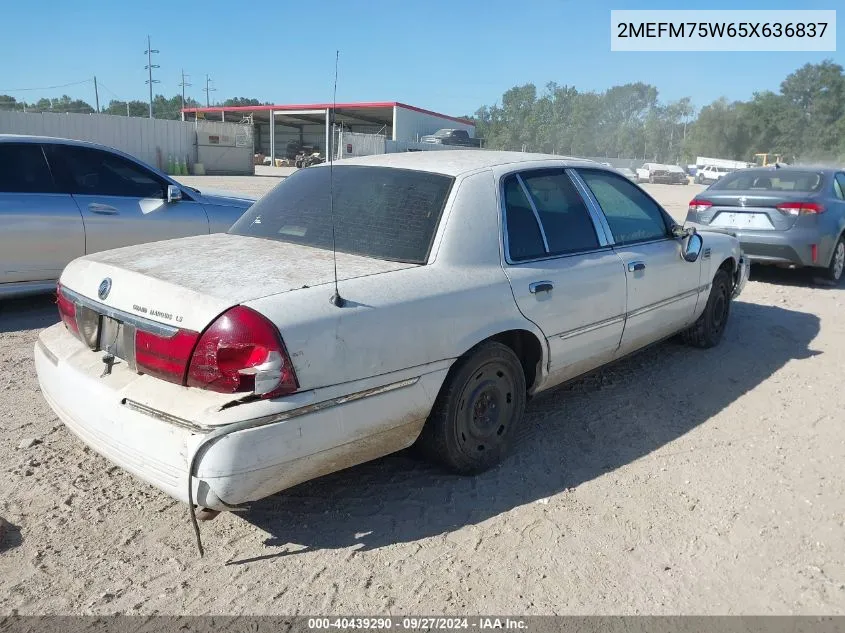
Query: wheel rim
(839, 260)
(720, 310)
(486, 408)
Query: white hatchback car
(225, 368)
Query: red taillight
(67, 310)
(696, 205)
(242, 351)
(165, 358)
(800, 208)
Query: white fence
(349, 144)
(150, 140)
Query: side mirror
(174, 193)
(692, 247)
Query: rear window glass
(379, 212)
(775, 180)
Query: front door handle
(540, 286)
(102, 209)
(636, 266)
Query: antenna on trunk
(336, 299)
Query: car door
(662, 286)
(122, 201)
(563, 274)
(41, 229)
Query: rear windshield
(379, 212)
(770, 181)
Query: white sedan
(225, 368)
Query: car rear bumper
(238, 462)
(792, 247)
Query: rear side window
(379, 212)
(631, 214)
(563, 214)
(839, 186)
(773, 180)
(23, 169)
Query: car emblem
(742, 200)
(104, 289)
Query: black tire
(835, 270)
(477, 410)
(709, 328)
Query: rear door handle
(635, 266)
(102, 209)
(540, 286)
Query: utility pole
(184, 84)
(96, 95)
(149, 68)
(208, 90)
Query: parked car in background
(710, 173)
(630, 174)
(61, 199)
(452, 137)
(239, 365)
(659, 173)
(788, 216)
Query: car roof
(787, 169)
(459, 162)
(28, 138)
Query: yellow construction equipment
(763, 159)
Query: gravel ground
(678, 481)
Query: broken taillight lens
(242, 352)
(67, 310)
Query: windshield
(442, 132)
(379, 212)
(770, 181)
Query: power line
(149, 68)
(184, 84)
(75, 83)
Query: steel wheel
(719, 315)
(477, 410)
(486, 408)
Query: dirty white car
(225, 368)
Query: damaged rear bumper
(310, 434)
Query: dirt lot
(678, 481)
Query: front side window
(631, 214)
(90, 171)
(23, 169)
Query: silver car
(783, 216)
(61, 199)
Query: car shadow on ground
(571, 435)
(28, 313)
(795, 277)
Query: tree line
(803, 121)
(163, 108)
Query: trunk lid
(186, 283)
(750, 210)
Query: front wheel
(709, 328)
(837, 262)
(477, 410)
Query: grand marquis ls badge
(105, 288)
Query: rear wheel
(708, 330)
(477, 410)
(837, 262)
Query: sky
(448, 56)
